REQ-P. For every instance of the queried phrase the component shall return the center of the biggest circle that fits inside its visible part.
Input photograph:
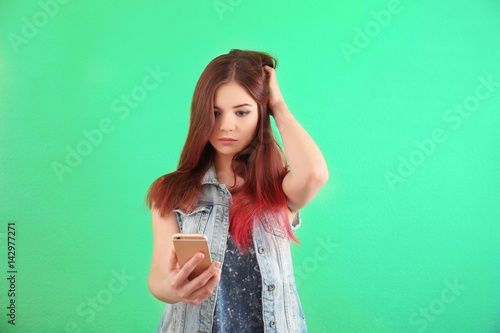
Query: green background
(404, 237)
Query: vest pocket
(271, 224)
(192, 222)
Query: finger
(201, 280)
(269, 70)
(214, 281)
(195, 288)
(207, 286)
(190, 265)
(173, 261)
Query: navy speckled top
(238, 307)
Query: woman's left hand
(275, 98)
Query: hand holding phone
(188, 245)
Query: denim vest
(282, 311)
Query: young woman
(234, 185)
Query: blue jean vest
(281, 308)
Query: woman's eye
(216, 113)
(242, 113)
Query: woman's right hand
(193, 291)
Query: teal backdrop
(402, 97)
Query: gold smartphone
(186, 246)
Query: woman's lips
(227, 141)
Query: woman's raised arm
(308, 171)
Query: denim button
(272, 323)
(262, 250)
(271, 287)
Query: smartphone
(186, 246)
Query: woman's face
(236, 117)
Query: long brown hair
(261, 164)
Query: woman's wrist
(160, 288)
(282, 116)
(280, 109)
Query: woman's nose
(227, 123)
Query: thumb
(174, 265)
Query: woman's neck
(225, 174)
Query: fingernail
(200, 255)
(217, 264)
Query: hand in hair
(275, 98)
